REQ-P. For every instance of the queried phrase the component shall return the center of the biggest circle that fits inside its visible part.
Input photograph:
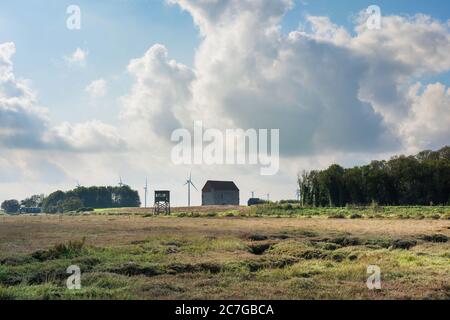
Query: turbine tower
(189, 183)
(146, 191)
(121, 184)
(78, 184)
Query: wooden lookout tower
(162, 202)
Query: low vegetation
(296, 210)
(257, 253)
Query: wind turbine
(189, 183)
(298, 194)
(78, 184)
(146, 190)
(121, 184)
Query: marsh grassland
(270, 252)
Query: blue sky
(115, 31)
(242, 70)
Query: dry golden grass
(138, 257)
(24, 234)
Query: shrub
(436, 238)
(403, 244)
(356, 216)
(211, 214)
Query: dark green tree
(10, 206)
(423, 179)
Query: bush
(356, 216)
(85, 210)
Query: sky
(94, 104)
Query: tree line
(423, 179)
(79, 198)
(91, 197)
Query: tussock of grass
(404, 244)
(259, 248)
(435, 238)
(63, 250)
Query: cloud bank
(326, 89)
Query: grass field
(270, 252)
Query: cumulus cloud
(77, 58)
(324, 88)
(92, 136)
(24, 125)
(160, 95)
(97, 88)
(428, 124)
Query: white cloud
(22, 123)
(25, 126)
(158, 100)
(97, 88)
(93, 136)
(327, 91)
(428, 123)
(78, 57)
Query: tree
(53, 203)
(423, 179)
(33, 201)
(11, 206)
(72, 204)
(125, 197)
(93, 197)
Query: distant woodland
(423, 179)
(91, 197)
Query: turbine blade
(194, 186)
